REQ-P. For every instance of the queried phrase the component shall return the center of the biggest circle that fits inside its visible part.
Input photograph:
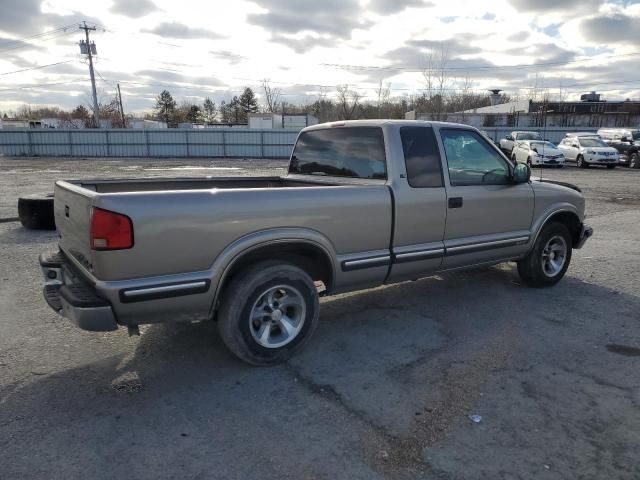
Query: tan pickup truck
(364, 203)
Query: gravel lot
(383, 390)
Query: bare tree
(384, 94)
(436, 78)
(271, 96)
(348, 101)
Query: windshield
(528, 136)
(592, 142)
(542, 145)
(635, 135)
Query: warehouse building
(589, 112)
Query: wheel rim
(554, 256)
(277, 316)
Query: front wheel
(268, 311)
(581, 163)
(634, 161)
(549, 259)
(611, 167)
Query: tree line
(345, 103)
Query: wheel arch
(567, 217)
(308, 250)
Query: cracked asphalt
(383, 390)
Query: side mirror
(535, 149)
(509, 137)
(521, 173)
(624, 139)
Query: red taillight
(110, 230)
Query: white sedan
(537, 152)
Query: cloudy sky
(198, 48)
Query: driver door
(488, 217)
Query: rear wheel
(634, 161)
(549, 259)
(268, 311)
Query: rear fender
(225, 261)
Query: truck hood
(555, 182)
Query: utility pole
(89, 49)
(124, 125)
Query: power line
(37, 67)
(26, 45)
(473, 68)
(39, 85)
(39, 35)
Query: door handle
(455, 202)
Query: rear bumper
(585, 233)
(67, 293)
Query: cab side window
(421, 157)
(471, 160)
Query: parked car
(626, 141)
(507, 143)
(364, 203)
(588, 150)
(537, 152)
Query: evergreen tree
(210, 110)
(80, 112)
(248, 104)
(165, 107)
(194, 114)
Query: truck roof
(381, 122)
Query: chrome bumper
(585, 233)
(68, 294)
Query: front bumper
(602, 160)
(585, 233)
(547, 161)
(70, 295)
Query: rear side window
(356, 152)
(421, 157)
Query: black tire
(581, 163)
(36, 212)
(529, 162)
(531, 268)
(611, 167)
(239, 299)
(634, 160)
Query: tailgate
(72, 209)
